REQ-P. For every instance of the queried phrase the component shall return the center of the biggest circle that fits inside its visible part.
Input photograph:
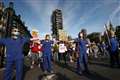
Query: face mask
(81, 35)
(15, 35)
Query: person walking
(82, 63)
(47, 54)
(14, 54)
(114, 50)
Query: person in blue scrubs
(47, 54)
(82, 63)
(114, 50)
(14, 54)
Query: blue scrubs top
(14, 47)
(82, 46)
(47, 47)
(114, 44)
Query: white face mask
(81, 35)
(14, 37)
(15, 33)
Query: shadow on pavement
(91, 75)
(58, 76)
(95, 76)
(66, 66)
(100, 64)
(25, 69)
(105, 65)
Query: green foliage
(117, 32)
(26, 49)
(95, 36)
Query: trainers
(50, 77)
(80, 73)
(51, 71)
(45, 72)
(71, 61)
(39, 65)
(31, 67)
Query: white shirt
(62, 48)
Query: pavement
(98, 71)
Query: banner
(63, 35)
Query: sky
(91, 15)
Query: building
(17, 22)
(57, 23)
(8, 20)
(11, 19)
(1, 19)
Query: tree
(95, 36)
(117, 32)
(69, 37)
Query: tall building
(57, 23)
(1, 19)
(8, 20)
(1, 9)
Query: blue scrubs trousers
(82, 64)
(9, 69)
(47, 65)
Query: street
(74, 34)
(98, 71)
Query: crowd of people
(46, 51)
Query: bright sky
(77, 14)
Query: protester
(69, 52)
(114, 50)
(73, 54)
(55, 52)
(95, 50)
(36, 48)
(62, 51)
(47, 54)
(82, 64)
(104, 49)
(14, 50)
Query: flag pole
(106, 31)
